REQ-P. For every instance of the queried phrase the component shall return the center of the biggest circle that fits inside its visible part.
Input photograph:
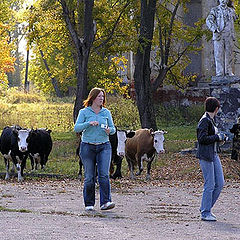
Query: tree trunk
(26, 82)
(142, 72)
(53, 79)
(82, 45)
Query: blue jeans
(213, 184)
(92, 156)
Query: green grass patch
(186, 132)
(3, 209)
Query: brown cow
(143, 146)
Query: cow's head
(122, 136)
(158, 139)
(22, 136)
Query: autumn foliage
(6, 61)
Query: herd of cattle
(17, 143)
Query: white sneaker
(213, 215)
(89, 208)
(108, 205)
(209, 218)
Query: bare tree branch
(170, 32)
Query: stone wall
(227, 91)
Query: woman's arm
(203, 135)
(81, 124)
(111, 124)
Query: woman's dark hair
(92, 95)
(211, 103)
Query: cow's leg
(13, 169)
(111, 169)
(118, 173)
(32, 161)
(17, 161)
(140, 164)
(45, 159)
(23, 164)
(42, 161)
(131, 168)
(7, 176)
(148, 177)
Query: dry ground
(165, 208)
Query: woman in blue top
(208, 140)
(95, 122)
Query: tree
(172, 40)
(142, 65)
(6, 60)
(82, 36)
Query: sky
(23, 43)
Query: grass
(33, 111)
(3, 209)
(63, 161)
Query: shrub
(124, 112)
(14, 96)
(172, 115)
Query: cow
(117, 141)
(39, 147)
(14, 147)
(143, 146)
(236, 141)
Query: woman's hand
(107, 130)
(94, 123)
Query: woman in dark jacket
(208, 139)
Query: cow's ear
(32, 133)
(49, 131)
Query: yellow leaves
(59, 58)
(109, 77)
(6, 61)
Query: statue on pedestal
(221, 22)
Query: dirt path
(54, 210)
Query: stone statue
(221, 22)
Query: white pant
(223, 53)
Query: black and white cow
(14, 147)
(117, 141)
(39, 147)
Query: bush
(124, 112)
(172, 115)
(14, 96)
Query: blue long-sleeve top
(94, 134)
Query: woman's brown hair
(92, 96)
